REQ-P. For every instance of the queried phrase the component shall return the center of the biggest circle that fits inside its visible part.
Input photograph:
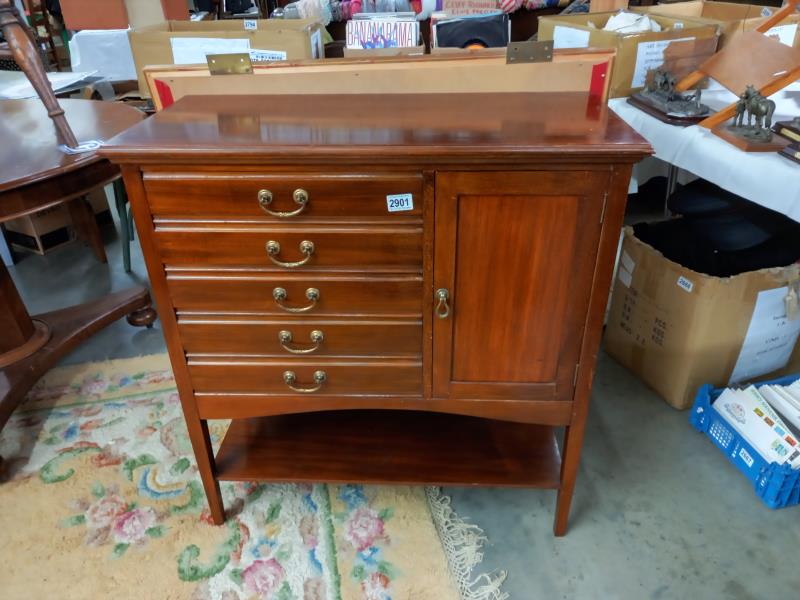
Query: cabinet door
(515, 252)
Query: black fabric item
(237, 6)
(701, 197)
(694, 247)
(489, 32)
(729, 232)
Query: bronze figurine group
(754, 105)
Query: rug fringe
(462, 544)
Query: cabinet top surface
(484, 128)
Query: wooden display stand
(774, 145)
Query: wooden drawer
(367, 248)
(231, 195)
(264, 376)
(243, 292)
(267, 337)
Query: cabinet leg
(573, 442)
(201, 442)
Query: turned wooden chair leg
(82, 215)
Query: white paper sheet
(770, 337)
(569, 37)
(193, 51)
(785, 33)
(650, 55)
(23, 89)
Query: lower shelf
(391, 447)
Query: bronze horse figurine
(756, 106)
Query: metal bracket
(529, 52)
(229, 64)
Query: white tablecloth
(765, 178)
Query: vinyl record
(481, 32)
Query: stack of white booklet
(751, 413)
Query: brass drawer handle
(265, 199)
(289, 378)
(285, 338)
(279, 295)
(274, 248)
(443, 308)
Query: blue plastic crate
(777, 485)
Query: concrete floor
(658, 512)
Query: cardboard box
(730, 17)
(120, 14)
(682, 45)
(678, 329)
(51, 228)
(153, 45)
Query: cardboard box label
(193, 50)
(569, 37)
(650, 55)
(627, 262)
(784, 33)
(626, 277)
(251, 24)
(266, 55)
(770, 337)
(685, 284)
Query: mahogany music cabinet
(383, 289)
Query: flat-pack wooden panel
(570, 71)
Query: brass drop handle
(285, 338)
(443, 308)
(279, 295)
(265, 199)
(274, 248)
(289, 378)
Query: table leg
(83, 220)
(33, 345)
(672, 182)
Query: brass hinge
(229, 64)
(603, 211)
(575, 376)
(529, 52)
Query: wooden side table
(35, 174)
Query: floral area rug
(101, 498)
